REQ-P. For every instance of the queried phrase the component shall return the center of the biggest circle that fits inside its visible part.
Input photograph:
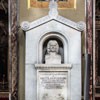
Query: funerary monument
(53, 57)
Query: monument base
(53, 81)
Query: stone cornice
(44, 66)
(25, 25)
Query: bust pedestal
(53, 59)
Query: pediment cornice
(25, 25)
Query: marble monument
(53, 57)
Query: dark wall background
(3, 49)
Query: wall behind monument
(32, 14)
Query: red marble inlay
(89, 20)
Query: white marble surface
(59, 76)
(30, 82)
(71, 39)
(35, 38)
(80, 26)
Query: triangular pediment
(30, 25)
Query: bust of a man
(52, 56)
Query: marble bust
(52, 56)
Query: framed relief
(62, 4)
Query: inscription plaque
(52, 85)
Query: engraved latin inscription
(52, 85)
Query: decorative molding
(80, 26)
(57, 66)
(67, 22)
(25, 25)
(35, 23)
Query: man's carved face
(53, 46)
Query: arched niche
(63, 46)
(60, 50)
